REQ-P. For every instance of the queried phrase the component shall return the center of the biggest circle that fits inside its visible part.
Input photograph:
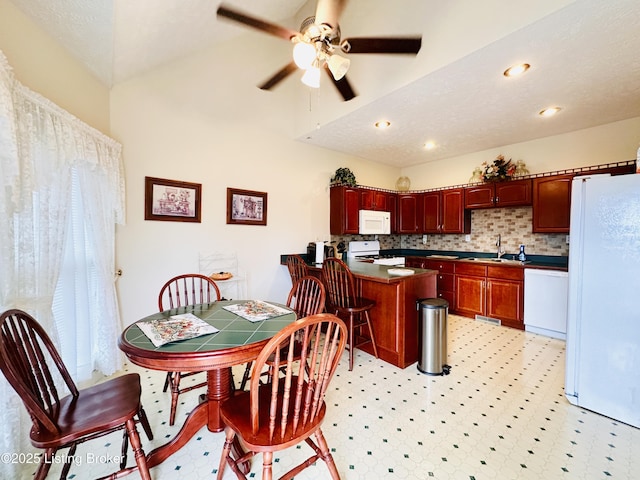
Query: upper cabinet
(443, 212)
(501, 194)
(374, 200)
(409, 213)
(449, 210)
(551, 204)
(344, 208)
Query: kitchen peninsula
(395, 316)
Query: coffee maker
(318, 256)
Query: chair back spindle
(298, 268)
(188, 289)
(307, 297)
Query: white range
(369, 251)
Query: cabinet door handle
(497, 199)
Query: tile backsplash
(512, 223)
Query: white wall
(196, 122)
(610, 143)
(45, 67)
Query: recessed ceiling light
(549, 112)
(382, 124)
(430, 145)
(516, 70)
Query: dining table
(238, 341)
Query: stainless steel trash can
(432, 336)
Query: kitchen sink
(496, 260)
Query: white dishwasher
(545, 302)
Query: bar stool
(341, 299)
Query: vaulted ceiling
(583, 55)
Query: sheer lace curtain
(51, 163)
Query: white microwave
(373, 222)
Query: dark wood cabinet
(431, 212)
(445, 280)
(393, 209)
(551, 204)
(470, 287)
(443, 212)
(415, 262)
(343, 210)
(374, 200)
(455, 219)
(501, 194)
(409, 213)
(505, 295)
(552, 198)
(492, 291)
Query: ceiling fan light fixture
(311, 77)
(338, 66)
(304, 54)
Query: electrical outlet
(567, 240)
(467, 238)
(424, 239)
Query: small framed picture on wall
(172, 200)
(246, 207)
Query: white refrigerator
(603, 312)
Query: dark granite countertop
(548, 261)
(533, 261)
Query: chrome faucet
(499, 245)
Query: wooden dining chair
(289, 409)
(30, 361)
(343, 301)
(181, 291)
(306, 297)
(298, 268)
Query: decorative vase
(403, 184)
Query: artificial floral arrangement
(499, 170)
(344, 176)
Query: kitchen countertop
(377, 273)
(533, 261)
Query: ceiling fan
(318, 45)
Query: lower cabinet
(505, 295)
(470, 287)
(492, 291)
(445, 279)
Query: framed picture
(172, 201)
(246, 207)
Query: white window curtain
(62, 193)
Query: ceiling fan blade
(279, 76)
(256, 23)
(409, 45)
(343, 86)
(329, 11)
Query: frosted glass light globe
(303, 54)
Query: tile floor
(500, 414)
